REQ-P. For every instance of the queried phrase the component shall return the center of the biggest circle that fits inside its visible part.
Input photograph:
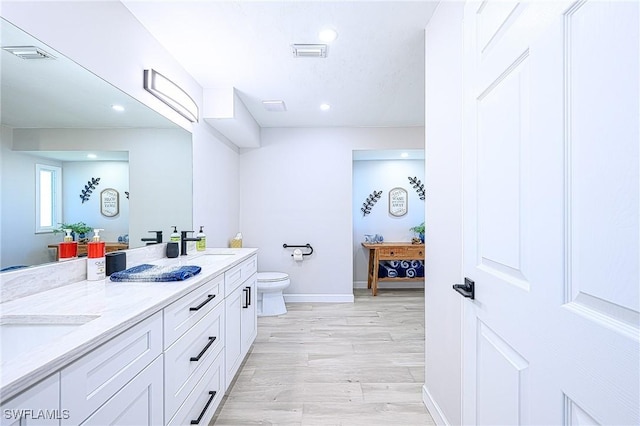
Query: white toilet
(270, 298)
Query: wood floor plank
(335, 364)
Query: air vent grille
(309, 50)
(274, 106)
(29, 52)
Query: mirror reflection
(63, 143)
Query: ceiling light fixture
(309, 50)
(325, 107)
(118, 108)
(171, 94)
(29, 52)
(328, 35)
(274, 106)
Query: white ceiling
(373, 75)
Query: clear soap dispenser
(96, 268)
(201, 244)
(175, 235)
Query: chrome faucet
(183, 242)
(156, 240)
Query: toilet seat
(270, 277)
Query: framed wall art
(398, 202)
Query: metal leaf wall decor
(370, 202)
(85, 194)
(418, 186)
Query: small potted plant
(419, 230)
(78, 229)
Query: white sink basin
(20, 334)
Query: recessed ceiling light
(404, 155)
(92, 156)
(118, 108)
(274, 106)
(328, 35)
(325, 107)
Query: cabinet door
(138, 403)
(249, 314)
(233, 329)
(37, 406)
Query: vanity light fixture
(309, 50)
(171, 94)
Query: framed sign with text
(109, 202)
(398, 199)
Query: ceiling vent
(309, 50)
(274, 106)
(29, 52)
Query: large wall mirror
(57, 115)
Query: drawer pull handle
(210, 297)
(246, 298)
(212, 394)
(197, 358)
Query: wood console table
(82, 248)
(390, 251)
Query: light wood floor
(335, 364)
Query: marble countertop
(104, 308)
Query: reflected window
(48, 197)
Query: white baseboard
(318, 298)
(434, 409)
(391, 284)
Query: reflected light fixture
(118, 108)
(92, 156)
(171, 94)
(404, 155)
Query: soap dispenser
(175, 235)
(68, 249)
(201, 244)
(96, 268)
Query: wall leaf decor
(85, 194)
(370, 202)
(418, 186)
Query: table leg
(370, 268)
(374, 281)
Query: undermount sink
(20, 334)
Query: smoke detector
(309, 50)
(29, 52)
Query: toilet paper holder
(304, 246)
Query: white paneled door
(551, 217)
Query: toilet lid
(272, 276)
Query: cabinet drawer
(138, 403)
(202, 402)
(392, 252)
(191, 308)
(189, 356)
(415, 252)
(239, 274)
(90, 381)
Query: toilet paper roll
(297, 255)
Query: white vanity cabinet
(241, 314)
(112, 372)
(37, 406)
(194, 342)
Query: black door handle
(468, 289)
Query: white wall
(383, 175)
(297, 189)
(119, 57)
(443, 237)
(112, 174)
(18, 204)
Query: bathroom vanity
(101, 352)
